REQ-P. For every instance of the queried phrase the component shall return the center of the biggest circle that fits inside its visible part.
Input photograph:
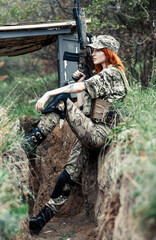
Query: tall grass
(135, 139)
(12, 209)
(18, 95)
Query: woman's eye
(96, 50)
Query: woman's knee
(64, 178)
(48, 122)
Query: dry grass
(13, 177)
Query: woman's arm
(80, 96)
(80, 99)
(72, 88)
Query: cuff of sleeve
(89, 89)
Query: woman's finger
(38, 106)
(77, 73)
(41, 102)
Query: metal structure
(67, 43)
(21, 39)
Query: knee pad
(63, 178)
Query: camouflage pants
(89, 135)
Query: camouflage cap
(106, 41)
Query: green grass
(66, 236)
(25, 84)
(136, 141)
(12, 208)
(20, 96)
(135, 136)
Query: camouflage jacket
(107, 85)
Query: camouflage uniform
(90, 133)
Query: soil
(75, 220)
(99, 207)
(77, 227)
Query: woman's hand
(71, 88)
(80, 75)
(41, 102)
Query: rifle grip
(76, 78)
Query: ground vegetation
(133, 24)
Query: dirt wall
(78, 212)
(99, 206)
(113, 207)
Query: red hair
(111, 58)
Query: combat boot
(31, 142)
(37, 223)
(57, 200)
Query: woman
(90, 126)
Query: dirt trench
(98, 207)
(76, 218)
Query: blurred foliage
(24, 86)
(2, 78)
(24, 65)
(133, 24)
(106, 13)
(17, 11)
(32, 11)
(19, 92)
(26, 83)
(12, 207)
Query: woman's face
(98, 57)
